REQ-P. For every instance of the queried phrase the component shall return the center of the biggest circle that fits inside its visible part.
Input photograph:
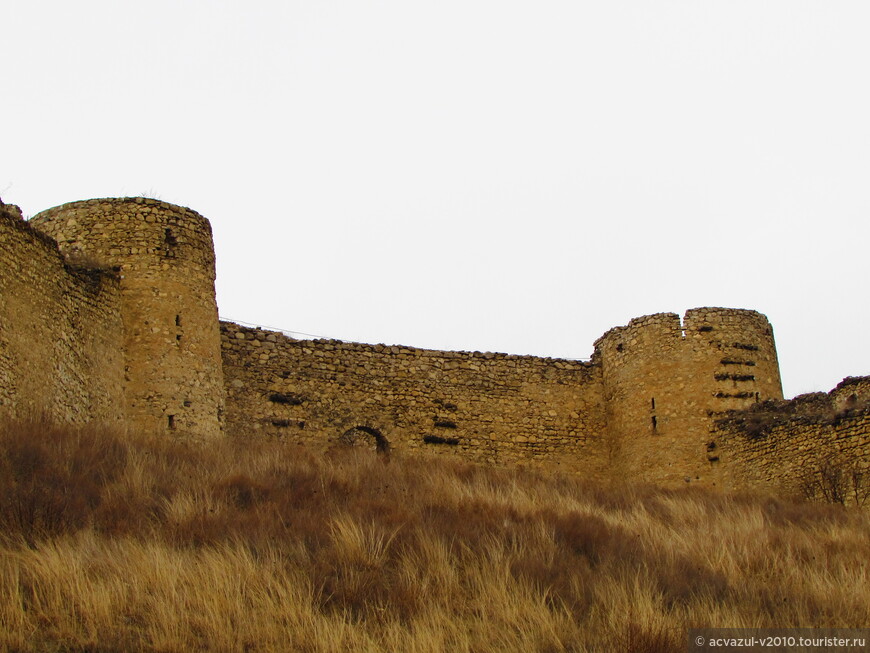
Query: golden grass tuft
(111, 543)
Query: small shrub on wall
(836, 479)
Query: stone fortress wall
(164, 257)
(666, 380)
(108, 313)
(61, 349)
(492, 408)
(796, 445)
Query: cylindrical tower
(165, 257)
(666, 381)
(733, 356)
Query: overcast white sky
(484, 175)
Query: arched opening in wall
(365, 437)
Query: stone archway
(365, 437)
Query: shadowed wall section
(61, 345)
(811, 445)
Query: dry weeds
(111, 543)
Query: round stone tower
(165, 257)
(666, 381)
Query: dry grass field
(112, 543)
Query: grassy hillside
(111, 543)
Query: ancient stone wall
(850, 393)
(801, 447)
(665, 381)
(492, 408)
(61, 349)
(107, 313)
(165, 257)
(593, 418)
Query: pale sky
(476, 175)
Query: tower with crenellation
(667, 380)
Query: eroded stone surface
(108, 314)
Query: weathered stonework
(108, 313)
(164, 256)
(61, 346)
(492, 408)
(664, 382)
(784, 446)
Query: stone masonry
(61, 345)
(164, 258)
(792, 445)
(108, 314)
(493, 408)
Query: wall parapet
(328, 344)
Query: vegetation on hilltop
(114, 543)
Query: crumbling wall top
(110, 203)
(11, 209)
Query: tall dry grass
(112, 543)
